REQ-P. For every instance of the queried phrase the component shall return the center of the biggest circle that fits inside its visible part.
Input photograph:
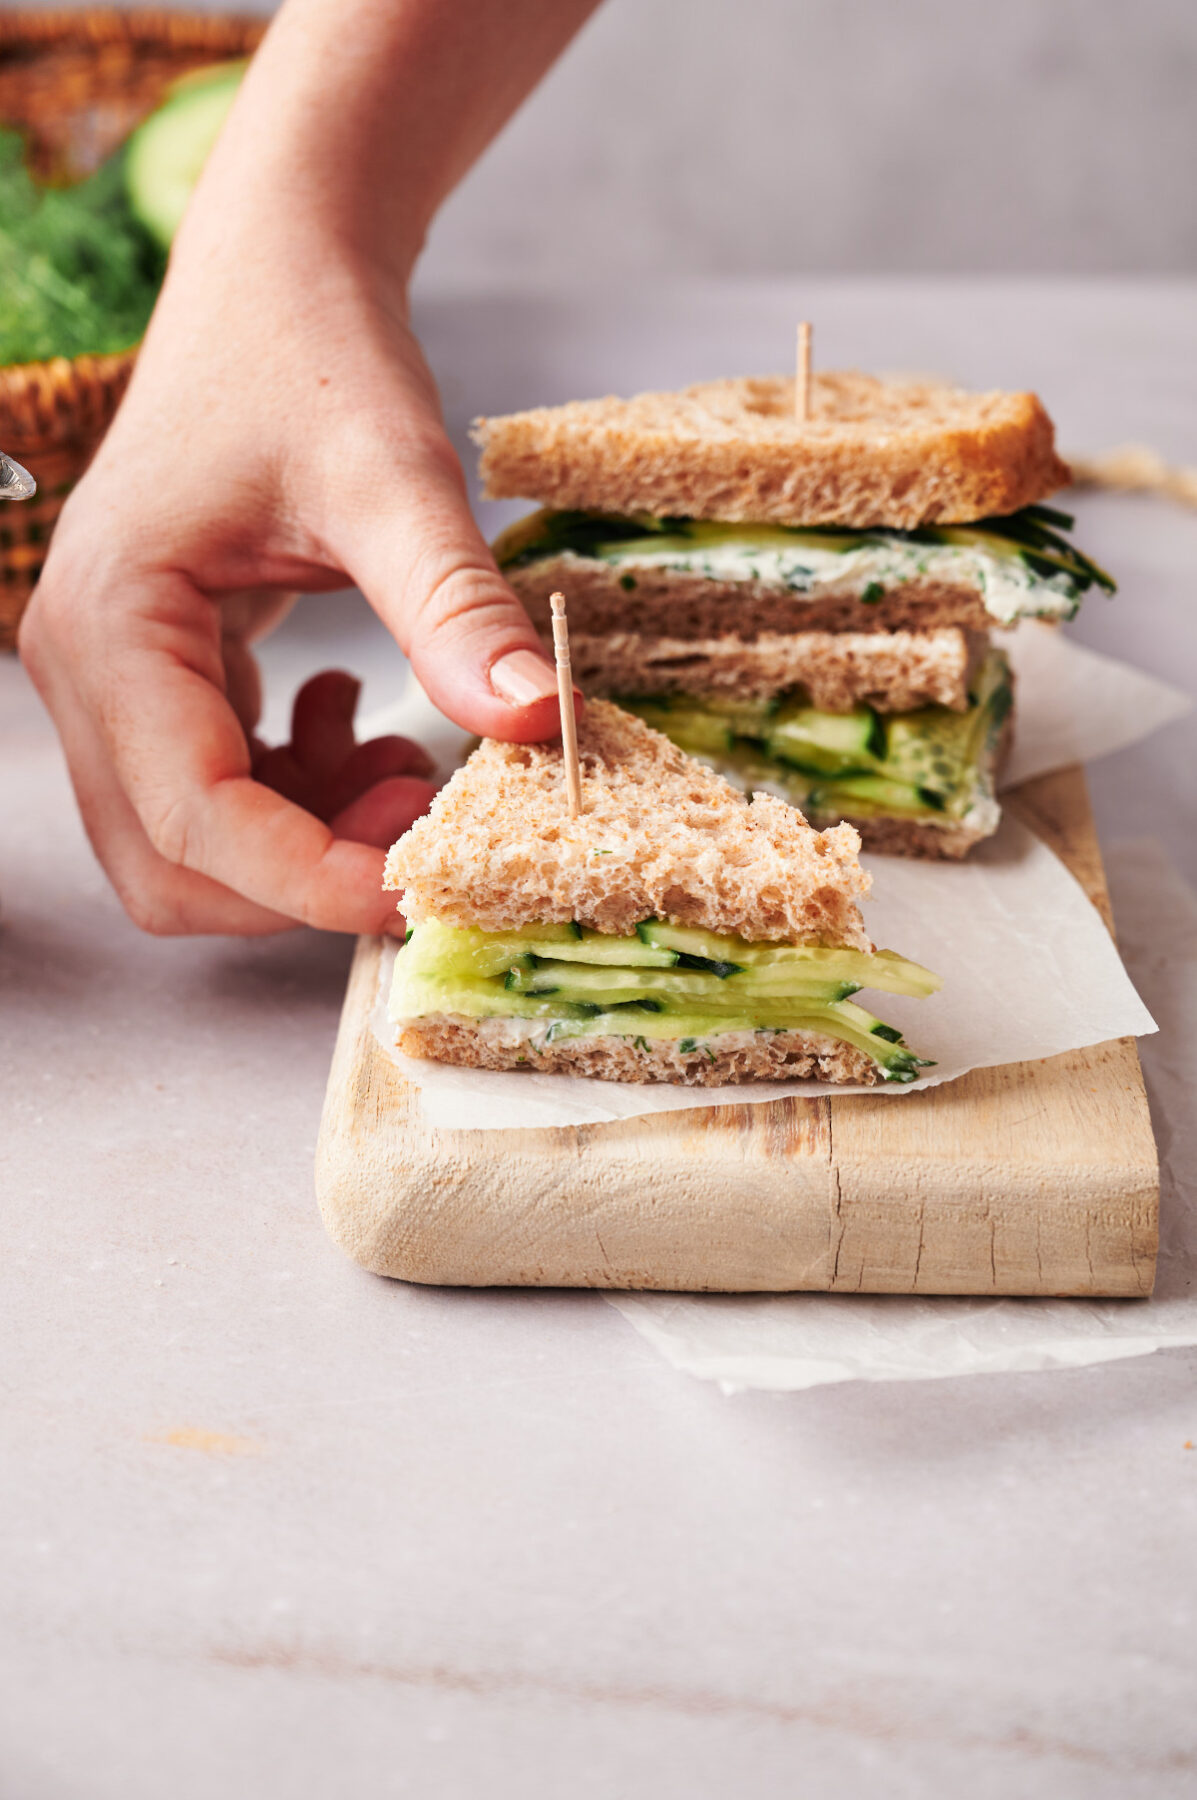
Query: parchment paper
(1029, 970)
(1073, 705)
(787, 1342)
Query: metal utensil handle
(16, 483)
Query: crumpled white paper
(787, 1342)
(1029, 970)
(1073, 705)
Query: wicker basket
(77, 83)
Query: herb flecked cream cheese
(1020, 566)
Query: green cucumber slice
(898, 799)
(745, 718)
(602, 948)
(691, 941)
(677, 989)
(441, 950)
(883, 969)
(827, 743)
(165, 155)
(929, 749)
(706, 966)
(690, 728)
(416, 998)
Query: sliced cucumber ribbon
(923, 764)
(666, 982)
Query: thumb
(427, 571)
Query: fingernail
(522, 677)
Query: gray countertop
(272, 1527)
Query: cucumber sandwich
(806, 606)
(674, 931)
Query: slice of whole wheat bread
(891, 671)
(920, 840)
(872, 452)
(660, 836)
(680, 603)
(727, 1057)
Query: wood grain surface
(1033, 1178)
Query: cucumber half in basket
(165, 156)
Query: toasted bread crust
(660, 836)
(776, 1056)
(900, 453)
(672, 603)
(891, 671)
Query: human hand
(281, 433)
(366, 792)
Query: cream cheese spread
(1008, 588)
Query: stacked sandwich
(807, 605)
(671, 932)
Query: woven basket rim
(19, 379)
(106, 24)
(48, 405)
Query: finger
(243, 682)
(322, 722)
(384, 812)
(372, 762)
(277, 768)
(251, 613)
(158, 897)
(410, 541)
(182, 759)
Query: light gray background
(788, 135)
(752, 136)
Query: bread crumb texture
(660, 836)
(872, 452)
(920, 839)
(771, 1056)
(892, 671)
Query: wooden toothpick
(802, 380)
(565, 699)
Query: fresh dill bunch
(78, 273)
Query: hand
(367, 792)
(282, 432)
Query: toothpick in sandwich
(565, 699)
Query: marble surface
(270, 1527)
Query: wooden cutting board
(1035, 1178)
